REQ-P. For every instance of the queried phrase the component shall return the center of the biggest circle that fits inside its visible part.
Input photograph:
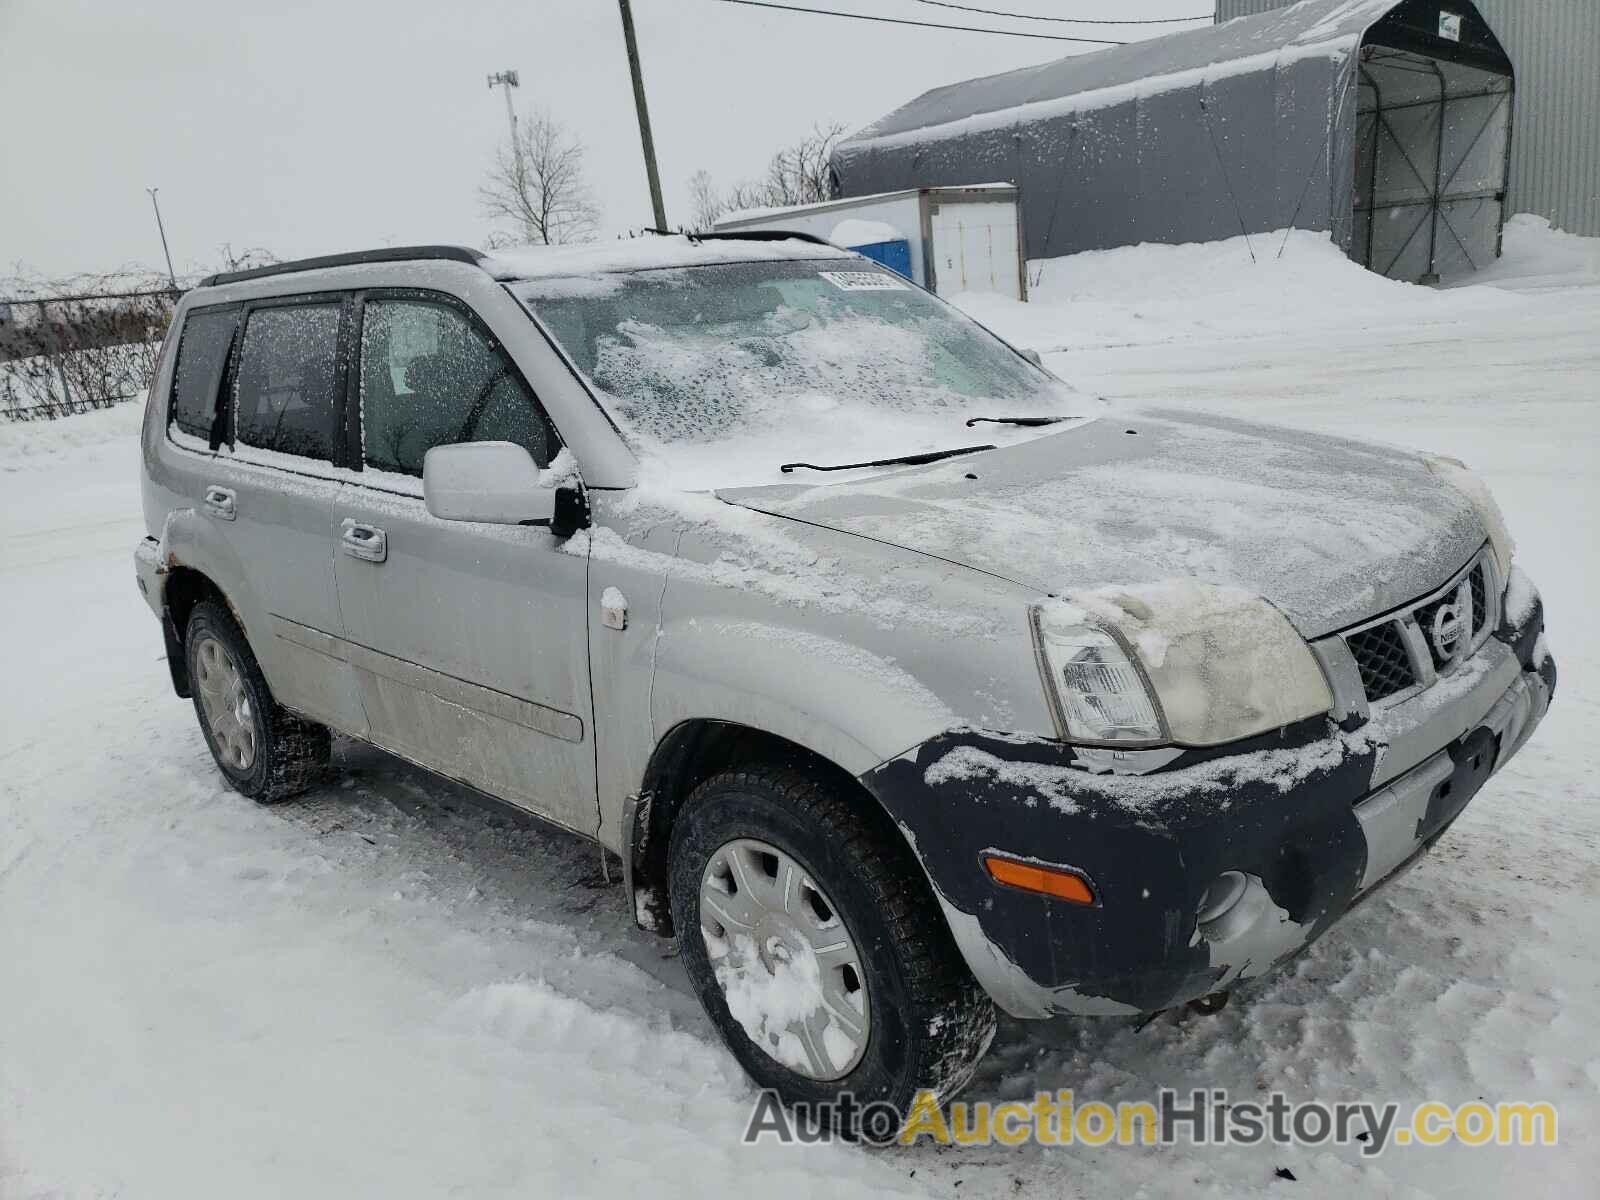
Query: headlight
(1096, 692)
(1180, 663)
(1471, 485)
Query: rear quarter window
(286, 383)
(202, 354)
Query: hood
(1330, 531)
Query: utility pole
(162, 230)
(644, 116)
(509, 80)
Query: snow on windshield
(720, 374)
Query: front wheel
(811, 939)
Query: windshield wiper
(910, 460)
(1029, 422)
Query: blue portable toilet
(896, 255)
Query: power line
(831, 12)
(997, 12)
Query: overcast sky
(312, 127)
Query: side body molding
(538, 718)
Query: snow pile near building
(1538, 256)
(1228, 289)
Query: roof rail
(356, 258)
(746, 235)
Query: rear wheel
(811, 939)
(262, 749)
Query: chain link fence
(64, 352)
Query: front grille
(1390, 656)
(1381, 657)
(1424, 619)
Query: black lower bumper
(1296, 815)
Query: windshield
(719, 374)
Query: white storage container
(948, 239)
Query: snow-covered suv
(905, 680)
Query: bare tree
(537, 185)
(706, 203)
(246, 259)
(800, 173)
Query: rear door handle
(221, 503)
(366, 542)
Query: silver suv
(905, 681)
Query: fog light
(1222, 895)
(1234, 905)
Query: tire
(263, 751)
(927, 1022)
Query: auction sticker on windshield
(862, 281)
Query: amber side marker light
(1031, 877)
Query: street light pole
(656, 206)
(509, 80)
(172, 278)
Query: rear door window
(202, 353)
(430, 377)
(286, 382)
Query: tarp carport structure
(1387, 124)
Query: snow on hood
(1330, 531)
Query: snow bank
(32, 445)
(1229, 289)
(1538, 256)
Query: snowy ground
(380, 990)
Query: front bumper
(1308, 822)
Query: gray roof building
(1555, 142)
(1385, 123)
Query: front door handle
(366, 542)
(221, 503)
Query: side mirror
(1032, 356)
(493, 482)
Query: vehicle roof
(654, 253)
(649, 251)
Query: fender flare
(850, 706)
(724, 689)
(189, 541)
